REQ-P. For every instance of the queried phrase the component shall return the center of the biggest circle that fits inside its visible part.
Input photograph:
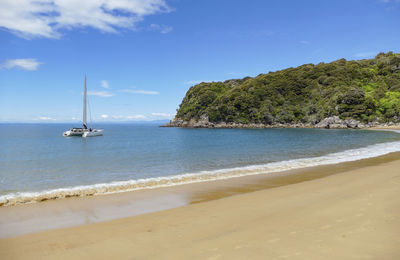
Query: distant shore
(350, 215)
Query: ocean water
(37, 163)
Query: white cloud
(136, 117)
(25, 64)
(45, 18)
(104, 84)
(163, 115)
(100, 93)
(104, 116)
(131, 117)
(161, 28)
(45, 118)
(365, 54)
(305, 42)
(143, 92)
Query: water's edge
(151, 183)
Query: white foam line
(150, 183)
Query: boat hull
(94, 132)
(73, 132)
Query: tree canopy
(366, 90)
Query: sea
(37, 163)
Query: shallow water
(35, 157)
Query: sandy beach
(199, 130)
(354, 214)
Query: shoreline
(76, 211)
(333, 122)
(341, 124)
(353, 213)
(24, 198)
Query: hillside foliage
(366, 90)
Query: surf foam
(151, 183)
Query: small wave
(150, 183)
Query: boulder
(176, 122)
(352, 123)
(336, 122)
(338, 126)
(327, 122)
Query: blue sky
(141, 56)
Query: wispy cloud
(136, 117)
(143, 92)
(100, 93)
(152, 116)
(24, 64)
(46, 118)
(161, 28)
(45, 18)
(161, 115)
(367, 54)
(129, 117)
(104, 84)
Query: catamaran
(83, 131)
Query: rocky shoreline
(328, 123)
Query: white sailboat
(83, 131)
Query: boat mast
(84, 105)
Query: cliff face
(332, 95)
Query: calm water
(35, 157)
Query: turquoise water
(36, 158)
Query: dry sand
(389, 127)
(351, 215)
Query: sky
(141, 56)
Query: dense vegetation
(366, 90)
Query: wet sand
(74, 211)
(351, 213)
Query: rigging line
(90, 111)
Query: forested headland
(367, 91)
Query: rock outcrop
(329, 123)
(333, 122)
(336, 122)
